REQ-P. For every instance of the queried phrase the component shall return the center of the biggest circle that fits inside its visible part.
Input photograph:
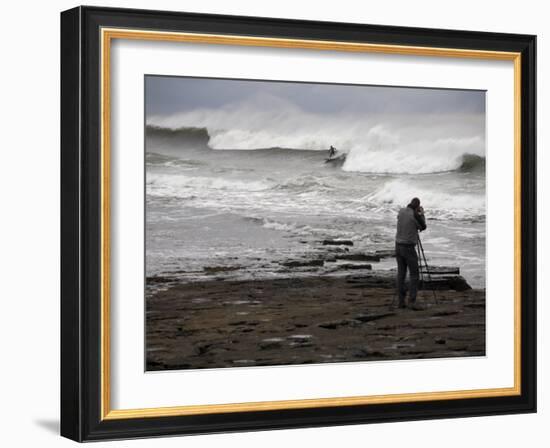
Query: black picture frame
(81, 380)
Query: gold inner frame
(107, 35)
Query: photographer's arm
(421, 220)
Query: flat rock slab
(337, 243)
(304, 321)
(302, 263)
(385, 253)
(358, 257)
(353, 266)
(440, 270)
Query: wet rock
(387, 280)
(385, 253)
(366, 353)
(303, 263)
(242, 322)
(271, 343)
(351, 266)
(403, 345)
(358, 257)
(159, 279)
(300, 338)
(440, 270)
(475, 305)
(201, 349)
(184, 334)
(216, 269)
(244, 362)
(331, 242)
(337, 250)
(300, 344)
(456, 282)
(217, 351)
(333, 325)
(444, 313)
(371, 317)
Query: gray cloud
(169, 95)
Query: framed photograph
(273, 223)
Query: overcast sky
(168, 95)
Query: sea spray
(415, 143)
(438, 202)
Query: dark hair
(415, 203)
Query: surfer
(331, 152)
(410, 221)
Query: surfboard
(341, 158)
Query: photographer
(410, 220)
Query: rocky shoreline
(331, 257)
(309, 319)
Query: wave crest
(391, 143)
(438, 204)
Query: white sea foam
(179, 184)
(413, 157)
(420, 143)
(397, 193)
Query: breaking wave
(440, 204)
(392, 144)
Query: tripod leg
(420, 271)
(427, 269)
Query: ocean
(218, 208)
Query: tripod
(421, 258)
(420, 249)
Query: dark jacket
(409, 222)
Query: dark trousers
(406, 257)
